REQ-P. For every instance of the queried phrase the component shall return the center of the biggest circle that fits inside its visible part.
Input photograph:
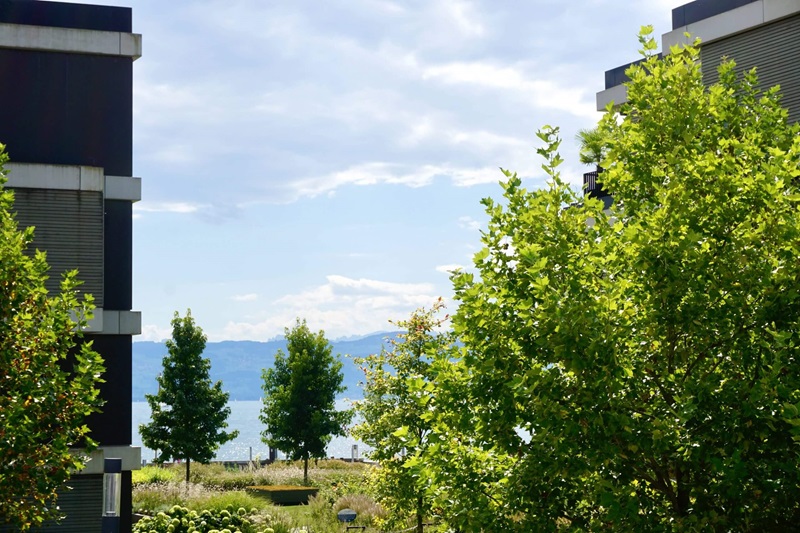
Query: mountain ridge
(238, 364)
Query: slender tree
(396, 407)
(189, 413)
(300, 397)
(48, 376)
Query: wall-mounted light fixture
(112, 490)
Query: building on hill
(754, 33)
(67, 121)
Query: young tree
(189, 414)
(650, 352)
(300, 397)
(396, 411)
(48, 376)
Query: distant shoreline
(244, 417)
(239, 364)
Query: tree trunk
(188, 462)
(305, 470)
(419, 514)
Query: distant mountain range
(238, 364)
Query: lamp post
(112, 489)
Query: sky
(325, 159)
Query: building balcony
(592, 186)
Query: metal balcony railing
(592, 186)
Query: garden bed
(283, 494)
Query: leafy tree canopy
(189, 413)
(636, 369)
(48, 376)
(300, 396)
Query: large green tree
(300, 396)
(637, 368)
(189, 413)
(48, 376)
(395, 412)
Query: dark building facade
(764, 34)
(66, 118)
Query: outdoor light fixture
(112, 489)
(346, 515)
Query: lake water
(244, 417)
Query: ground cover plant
(180, 519)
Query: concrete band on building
(67, 123)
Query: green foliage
(466, 474)
(323, 514)
(368, 511)
(637, 369)
(300, 397)
(180, 519)
(284, 494)
(189, 414)
(323, 473)
(396, 412)
(230, 499)
(321, 511)
(593, 145)
(49, 377)
(153, 498)
(152, 474)
(217, 476)
(340, 484)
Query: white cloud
(477, 73)
(303, 99)
(468, 223)
(154, 333)
(448, 269)
(251, 297)
(181, 208)
(375, 173)
(342, 306)
(363, 291)
(463, 14)
(182, 100)
(384, 6)
(543, 93)
(364, 93)
(660, 6)
(361, 174)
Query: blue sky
(326, 159)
